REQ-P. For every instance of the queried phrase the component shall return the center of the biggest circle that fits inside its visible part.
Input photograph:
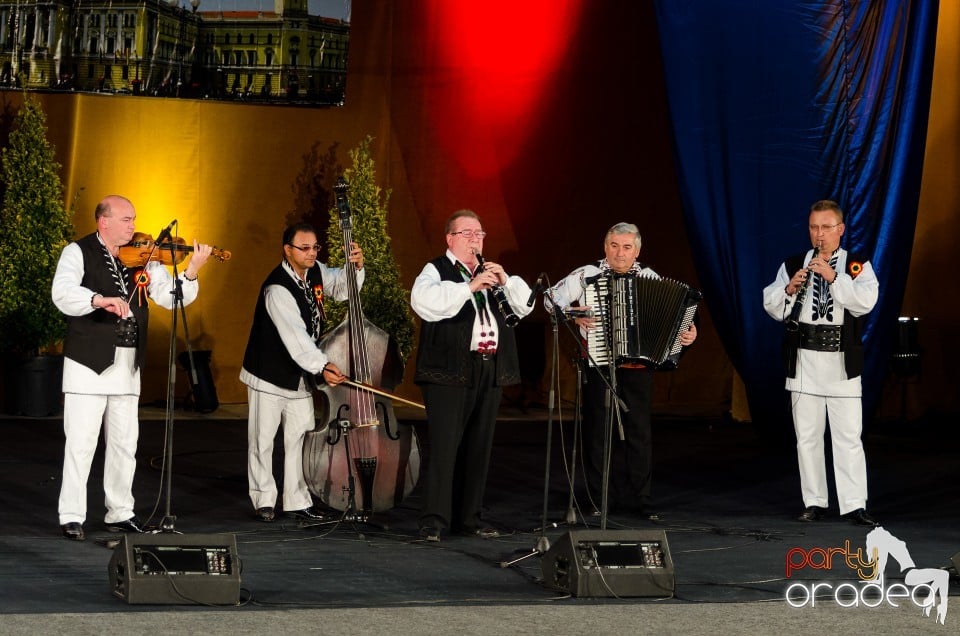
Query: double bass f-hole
(335, 433)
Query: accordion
(639, 319)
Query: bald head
(115, 221)
(108, 203)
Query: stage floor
(728, 494)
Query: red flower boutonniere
(142, 280)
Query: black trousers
(631, 465)
(460, 427)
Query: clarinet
(509, 317)
(793, 322)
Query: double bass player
(282, 352)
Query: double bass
(358, 459)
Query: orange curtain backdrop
(929, 295)
(229, 174)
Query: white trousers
(845, 414)
(266, 413)
(82, 418)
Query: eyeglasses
(305, 248)
(471, 233)
(825, 228)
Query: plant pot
(34, 385)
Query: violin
(142, 248)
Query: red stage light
(494, 63)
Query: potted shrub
(35, 225)
(385, 301)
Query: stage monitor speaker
(615, 563)
(178, 569)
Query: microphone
(536, 287)
(572, 313)
(165, 233)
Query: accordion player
(610, 312)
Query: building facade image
(158, 48)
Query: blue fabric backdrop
(775, 104)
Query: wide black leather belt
(127, 333)
(821, 337)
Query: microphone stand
(614, 406)
(556, 316)
(543, 543)
(169, 520)
(571, 518)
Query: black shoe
(430, 534)
(307, 514)
(72, 531)
(265, 513)
(130, 525)
(861, 518)
(812, 513)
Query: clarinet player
(466, 354)
(826, 292)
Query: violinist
(282, 352)
(106, 307)
(466, 355)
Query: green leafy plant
(385, 303)
(35, 225)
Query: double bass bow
(362, 441)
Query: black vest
(851, 335)
(91, 339)
(443, 350)
(266, 357)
